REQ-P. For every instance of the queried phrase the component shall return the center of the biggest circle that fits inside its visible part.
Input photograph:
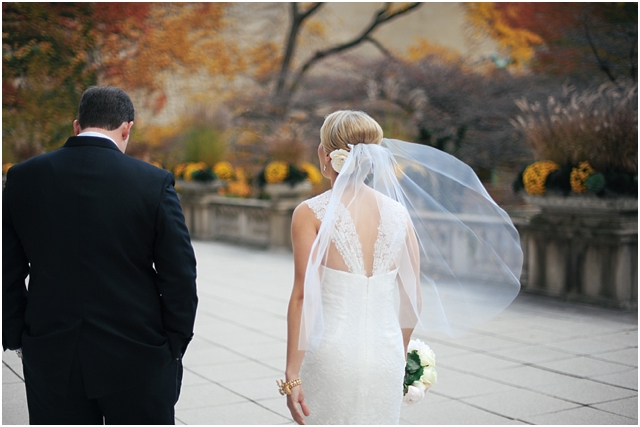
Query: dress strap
(318, 204)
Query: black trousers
(151, 403)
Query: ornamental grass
(588, 142)
(599, 126)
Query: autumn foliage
(579, 39)
(53, 51)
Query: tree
(137, 51)
(53, 51)
(577, 39)
(288, 79)
(46, 50)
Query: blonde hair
(349, 127)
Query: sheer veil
(458, 257)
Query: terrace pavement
(541, 361)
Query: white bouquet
(420, 371)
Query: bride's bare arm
(304, 229)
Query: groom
(110, 303)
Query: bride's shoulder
(316, 204)
(391, 203)
(320, 198)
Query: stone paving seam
(12, 370)
(244, 355)
(611, 361)
(551, 341)
(475, 406)
(568, 374)
(243, 326)
(609, 412)
(232, 391)
(252, 292)
(600, 410)
(590, 407)
(501, 357)
(595, 380)
(533, 390)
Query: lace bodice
(391, 233)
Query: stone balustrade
(576, 248)
(253, 222)
(582, 248)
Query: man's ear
(126, 130)
(76, 127)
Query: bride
(371, 263)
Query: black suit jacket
(111, 268)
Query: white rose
(427, 356)
(429, 377)
(338, 158)
(414, 394)
(414, 345)
(419, 384)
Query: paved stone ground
(539, 362)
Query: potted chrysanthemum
(587, 143)
(281, 180)
(585, 184)
(194, 179)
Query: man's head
(104, 107)
(108, 110)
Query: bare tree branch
(633, 56)
(380, 47)
(601, 62)
(297, 19)
(383, 15)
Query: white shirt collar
(97, 134)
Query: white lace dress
(355, 376)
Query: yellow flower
(579, 175)
(535, 176)
(276, 172)
(239, 189)
(241, 175)
(191, 168)
(223, 170)
(178, 170)
(313, 174)
(6, 167)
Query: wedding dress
(409, 238)
(355, 375)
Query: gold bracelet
(285, 388)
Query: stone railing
(259, 223)
(576, 248)
(581, 248)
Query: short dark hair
(104, 107)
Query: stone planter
(195, 198)
(299, 191)
(582, 248)
(260, 223)
(197, 189)
(284, 199)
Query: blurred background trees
(252, 82)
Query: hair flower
(338, 158)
